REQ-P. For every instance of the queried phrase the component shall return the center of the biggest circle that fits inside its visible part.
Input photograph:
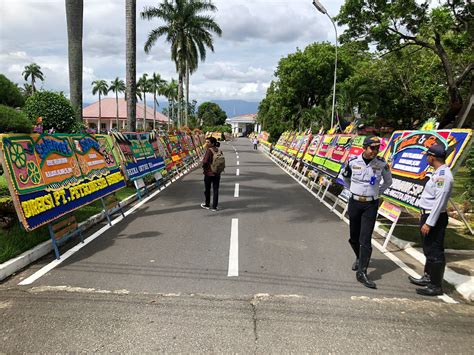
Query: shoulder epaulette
(381, 159)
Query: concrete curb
(12, 266)
(463, 284)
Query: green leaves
(55, 109)
(210, 114)
(14, 121)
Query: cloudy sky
(256, 34)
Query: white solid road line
(237, 173)
(389, 255)
(236, 191)
(234, 249)
(44, 270)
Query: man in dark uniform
(366, 176)
(433, 222)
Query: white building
(243, 124)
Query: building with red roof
(108, 115)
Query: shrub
(55, 109)
(13, 121)
(10, 94)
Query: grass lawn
(15, 240)
(455, 238)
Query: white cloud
(256, 34)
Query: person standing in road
(212, 169)
(366, 176)
(255, 143)
(433, 222)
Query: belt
(423, 211)
(363, 198)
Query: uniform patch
(355, 167)
(439, 182)
(441, 173)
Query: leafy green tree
(188, 31)
(33, 71)
(14, 121)
(300, 94)
(211, 114)
(10, 94)
(446, 30)
(55, 109)
(117, 86)
(102, 88)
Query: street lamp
(317, 4)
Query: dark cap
(437, 150)
(371, 141)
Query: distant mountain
(231, 107)
(237, 107)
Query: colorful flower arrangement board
(332, 153)
(303, 146)
(312, 149)
(50, 176)
(406, 156)
(175, 149)
(169, 163)
(138, 156)
(280, 144)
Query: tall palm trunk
(154, 110)
(187, 94)
(117, 113)
(144, 113)
(100, 113)
(170, 113)
(180, 97)
(74, 19)
(131, 63)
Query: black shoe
(215, 209)
(423, 281)
(355, 266)
(203, 205)
(364, 279)
(430, 290)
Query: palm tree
(74, 19)
(170, 90)
(143, 86)
(117, 86)
(156, 87)
(100, 87)
(34, 72)
(188, 31)
(131, 62)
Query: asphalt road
(158, 281)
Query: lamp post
(317, 4)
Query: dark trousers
(433, 243)
(362, 216)
(255, 146)
(214, 182)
